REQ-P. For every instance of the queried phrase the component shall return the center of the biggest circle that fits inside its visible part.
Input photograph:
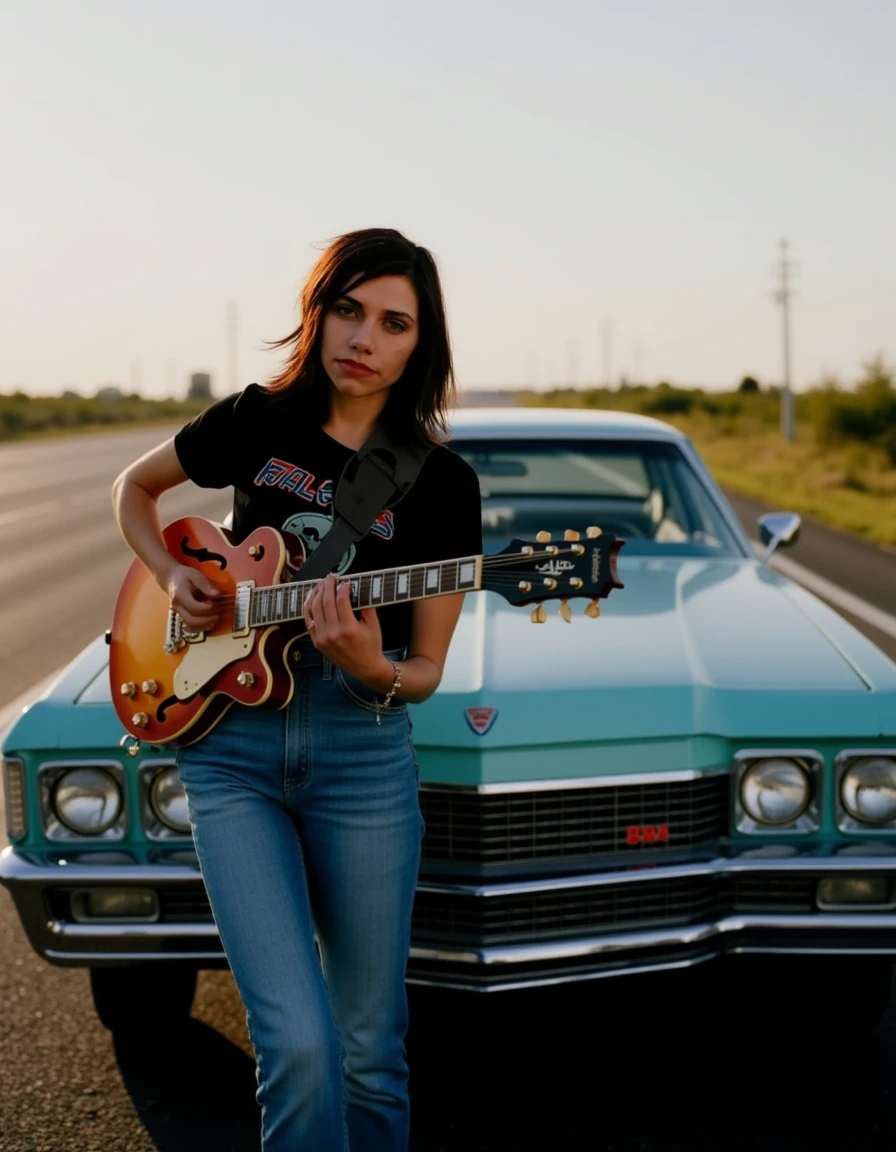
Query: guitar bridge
(176, 635)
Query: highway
(695, 1064)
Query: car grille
(187, 904)
(500, 828)
(440, 917)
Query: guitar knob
(566, 611)
(592, 532)
(593, 610)
(246, 679)
(542, 537)
(570, 534)
(128, 689)
(139, 719)
(150, 687)
(538, 614)
(254, 550)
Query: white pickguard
(206, 659)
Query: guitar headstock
(530, 572)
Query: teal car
(707, 769)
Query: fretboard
(284, 602)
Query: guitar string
(489, 562)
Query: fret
(283, 602)
(449, 576)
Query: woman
(306, 820)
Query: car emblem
(647, 834)
(481, 719)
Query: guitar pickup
(243, 607)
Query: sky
(604, 185)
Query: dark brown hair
(418, 400)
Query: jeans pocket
(364, 697)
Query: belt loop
(328, 669)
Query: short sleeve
(208, 448)
(452, 523)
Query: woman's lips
(353, 368)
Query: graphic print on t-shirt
(311, 527)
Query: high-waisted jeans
(307, 825)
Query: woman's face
(369, 335)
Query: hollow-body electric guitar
(171, 686)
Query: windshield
(645, 491)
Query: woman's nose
(363, 337)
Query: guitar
(171, 686)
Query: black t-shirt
(284, 469)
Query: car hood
(687, 647)
(690, 655)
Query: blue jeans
(307, 825)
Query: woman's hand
(355, 645)
(192, 596)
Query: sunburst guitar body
(172, 686)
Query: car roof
(548, 423)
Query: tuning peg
(566, 611)
(592, 532)
(593, 610)
(542, 537)
(538, 614)
(571, 534)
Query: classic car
(707, 769)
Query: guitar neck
(282, 603)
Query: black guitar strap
(376, 477)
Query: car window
(646, 491)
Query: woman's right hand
(193, 597)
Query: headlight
(868, 790)
(169, 800)
(775, 792)
(87, 800)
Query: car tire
(143, 998)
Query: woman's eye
(398, 326)
(343, 309)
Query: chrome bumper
(32, 877)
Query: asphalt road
(714, 1058)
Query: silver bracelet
(396, 684)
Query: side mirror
(778, 528)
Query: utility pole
(531, 374)
(637, 361)
(572, 362)
(783, 297)
(233, 366)
(606, 350)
